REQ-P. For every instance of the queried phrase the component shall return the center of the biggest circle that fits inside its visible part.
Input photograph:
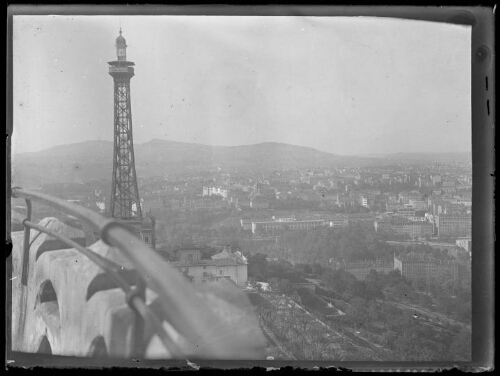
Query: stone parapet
(69, 306)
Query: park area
(295, 333)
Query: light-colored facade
(291, 223)
(464, 243)
(258, 203)
(189, 254)
(417, 267)
(339, 221)
(246, 224)
(414, 229)
(361, 269)
(436, 179)
(362, 200)
(287, 225)
(405, 197)
(217, 191)
(393, 207)
(402, 226)
(459, 225)
(406, 212)
(418, 204)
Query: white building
(218, 191)
(287, 225)
(418, 204)
(464, 243)
(338, 221)
(362, 200)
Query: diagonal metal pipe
(183, 308)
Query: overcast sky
(342, 85)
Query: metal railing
(175, 297)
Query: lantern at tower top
(121, 47)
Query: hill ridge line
(187, 144)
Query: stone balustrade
(68, 307)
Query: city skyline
(365, 85)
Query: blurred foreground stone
(70, 307)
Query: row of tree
(358, 241)
(450, 297)
(370, 306)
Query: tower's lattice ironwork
(125, 202)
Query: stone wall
(68, 308)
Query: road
(435, 315)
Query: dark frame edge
(483, 156)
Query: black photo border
(481, 20)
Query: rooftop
(217, 262)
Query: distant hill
(258, 157)
(409, 158)
(92, 160)
(72, 163)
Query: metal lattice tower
(125, 202)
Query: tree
(187, 276)
(295, 297)
(445, 304)
(308, 269)
(317, 268)
(374, 285)
(357, 288)
(424, 300)
(389, 315)
(420, 284)
(257, 267)
(284, 286)
(281, 285)
(357, 312)
(373, 311)
(318, 348)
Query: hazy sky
(341, 85)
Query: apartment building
(287, 225)
(361, 269)
(217, 191)
(396, 225)
(417, 266)
(464, 243)
(454, 225)
(225, 265)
